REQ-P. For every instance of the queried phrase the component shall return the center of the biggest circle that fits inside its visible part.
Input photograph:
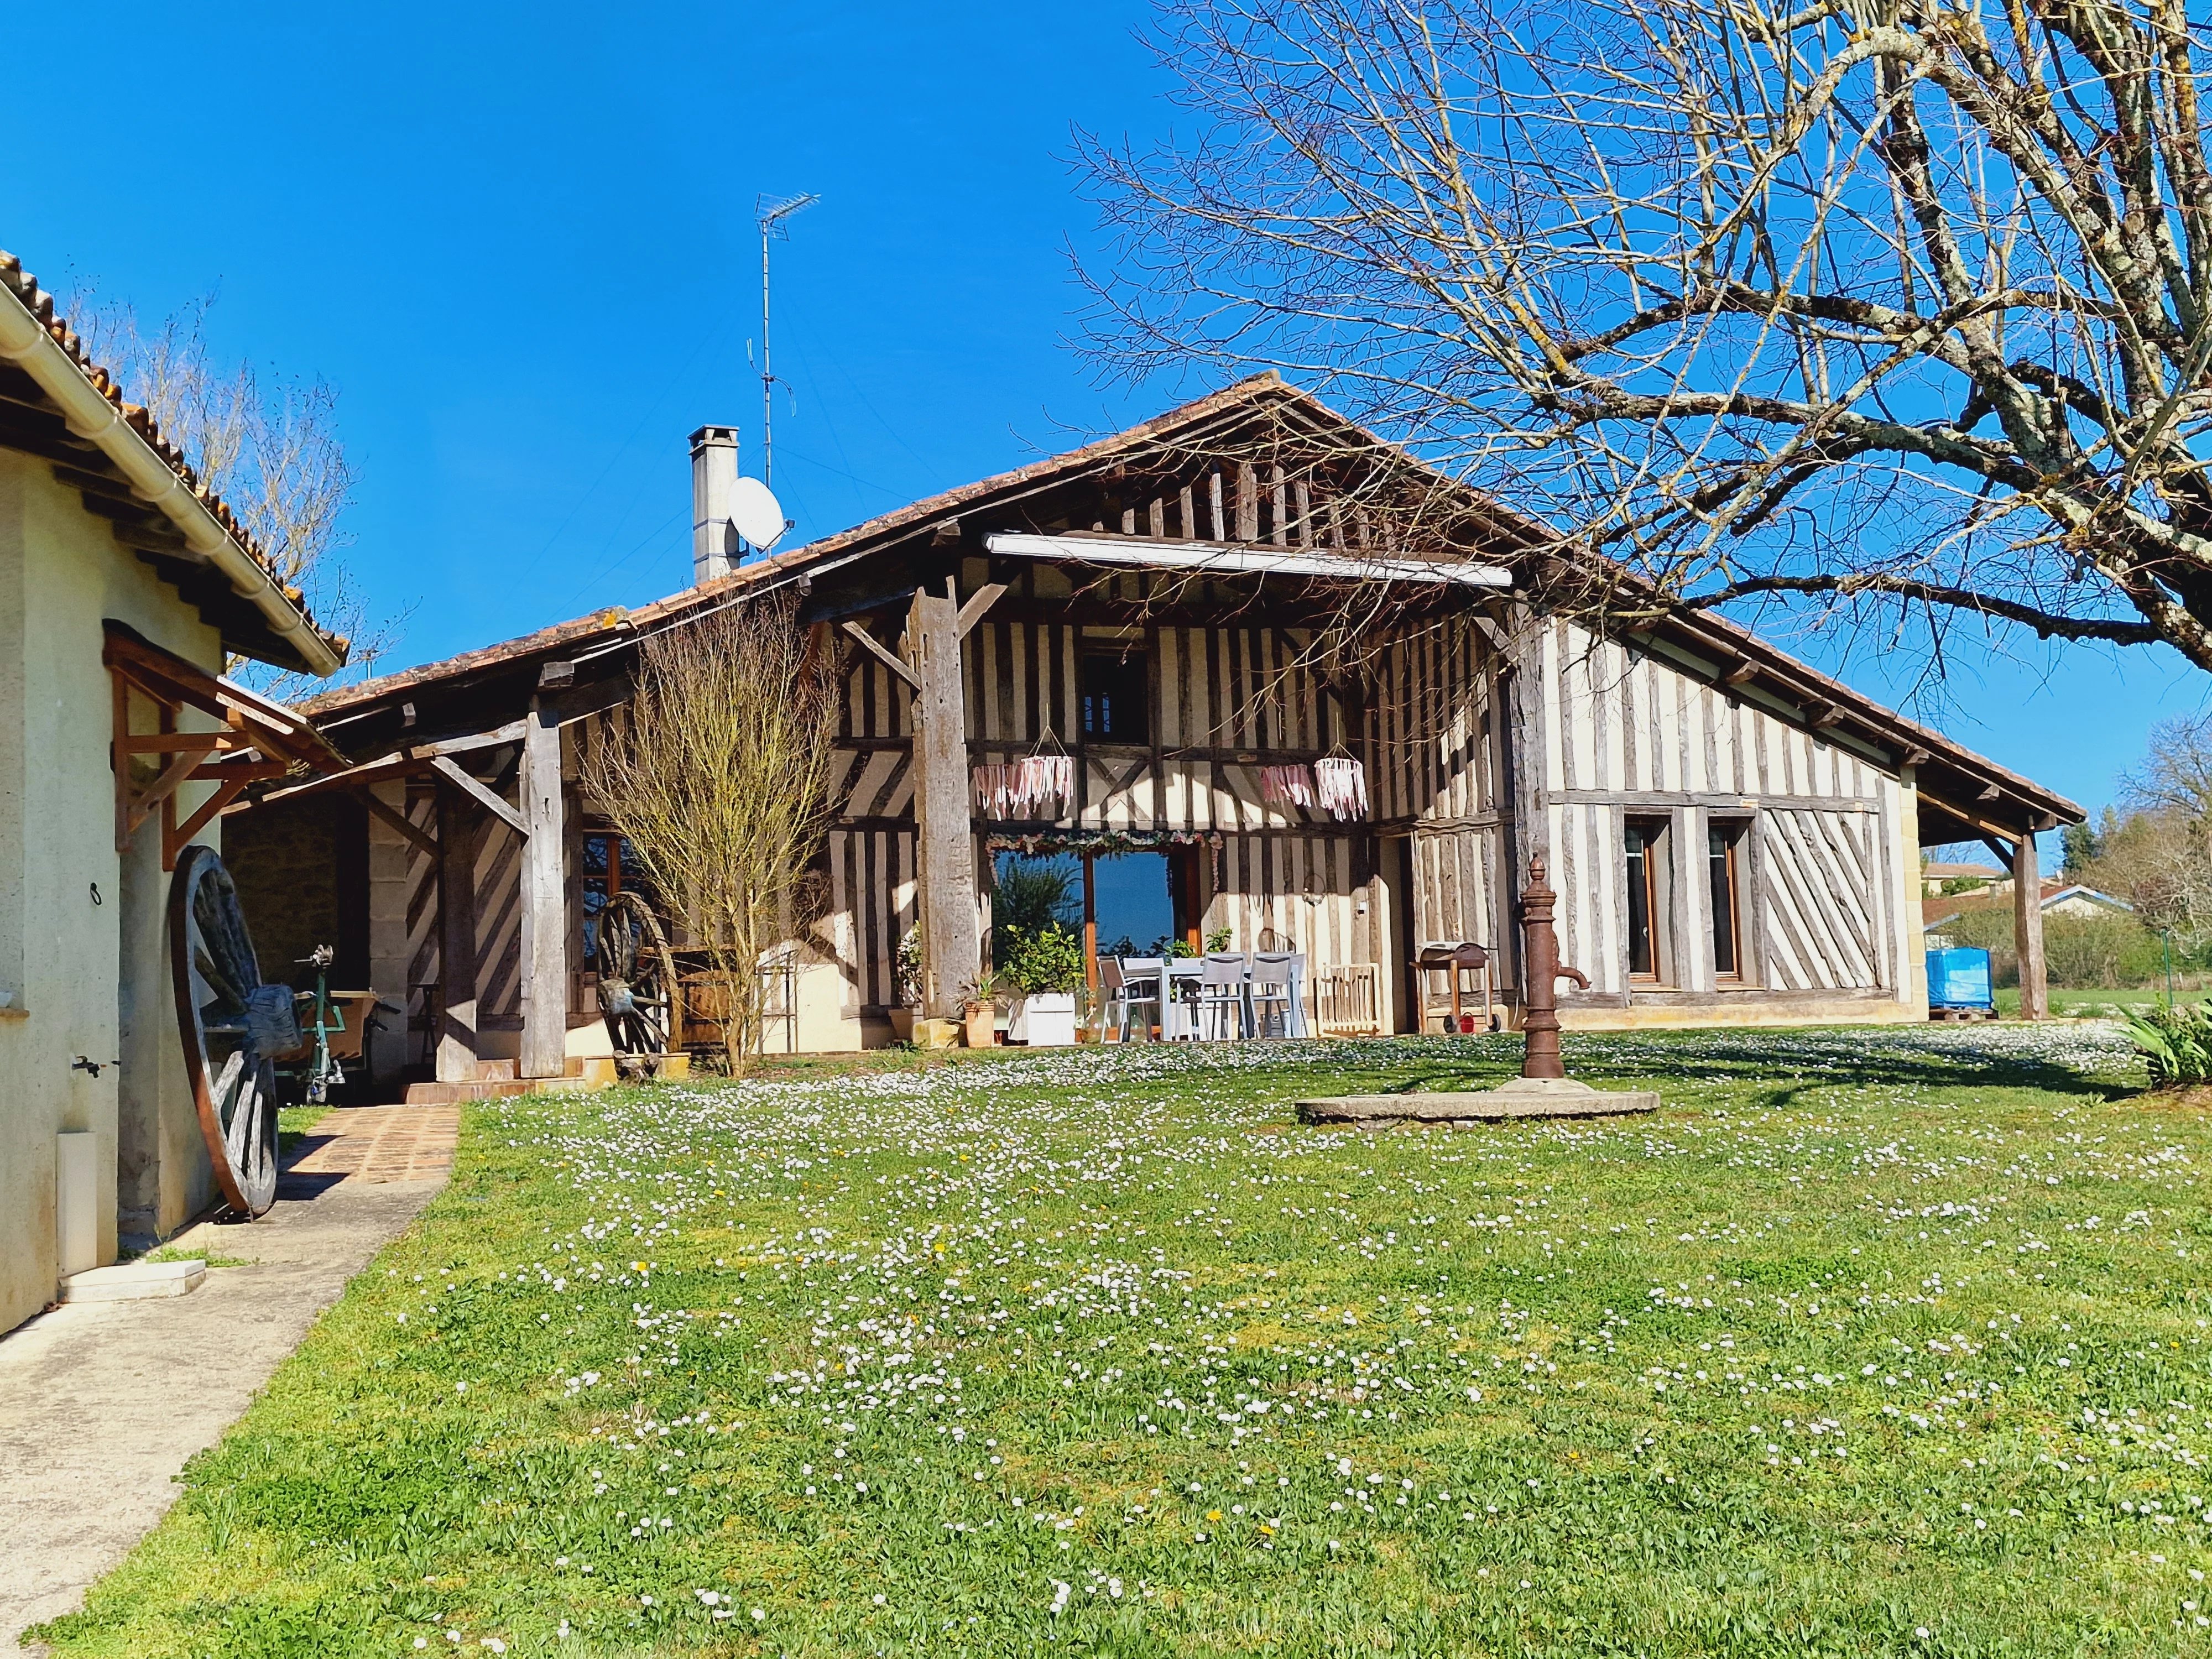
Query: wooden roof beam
(1239, 558)
(405, 762)
(1981, 823)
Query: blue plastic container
(1959, 978)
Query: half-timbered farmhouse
(1203, 614)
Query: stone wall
(301, 871)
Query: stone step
(1517, 1097)
(131, 1281)
(450, 1094)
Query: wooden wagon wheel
(231, 1025)
(638, 993)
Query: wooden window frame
(1135, 661)
(585, 877)
(1737, 831)
(1657, 895)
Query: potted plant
(1046, 968)
(908, 965)
(980, 1012)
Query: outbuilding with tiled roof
(125, 585)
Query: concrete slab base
(101, 1402)
(134, 1281)
(1521, 1097)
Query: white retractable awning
(1236, 558)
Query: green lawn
(1871, 1342)
(2091, 1005)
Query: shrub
(2079, 952)
(1033, 893)
(910, 966)
(2103, 953)
(2176, 1041)
(1049, 959)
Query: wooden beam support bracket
(409, 830)
(251, 771)
(139, 805)
(511, 733)
(173, 838)
(258, 740)
(889, 658)
(978, 602)
(447, 768)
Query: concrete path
(101, 1403)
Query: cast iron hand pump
(1540, 969)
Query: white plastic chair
(1180, 980)
(1277, 993)
(1130, 983)
(1224, 996)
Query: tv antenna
(770, 215)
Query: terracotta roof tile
(41, 304)
(1236, 399)
(1188, 423)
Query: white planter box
(1044, 1020)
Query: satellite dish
(757, 514)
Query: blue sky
(518, 240)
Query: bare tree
(1898, 309)
(2160, 861)
(720, 775)
(271, 451)
(2160, 855)
(2176, 775)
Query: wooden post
(2027, 928)
(951, 941)
(1090, 926)
(459, 827)
(544, 901)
